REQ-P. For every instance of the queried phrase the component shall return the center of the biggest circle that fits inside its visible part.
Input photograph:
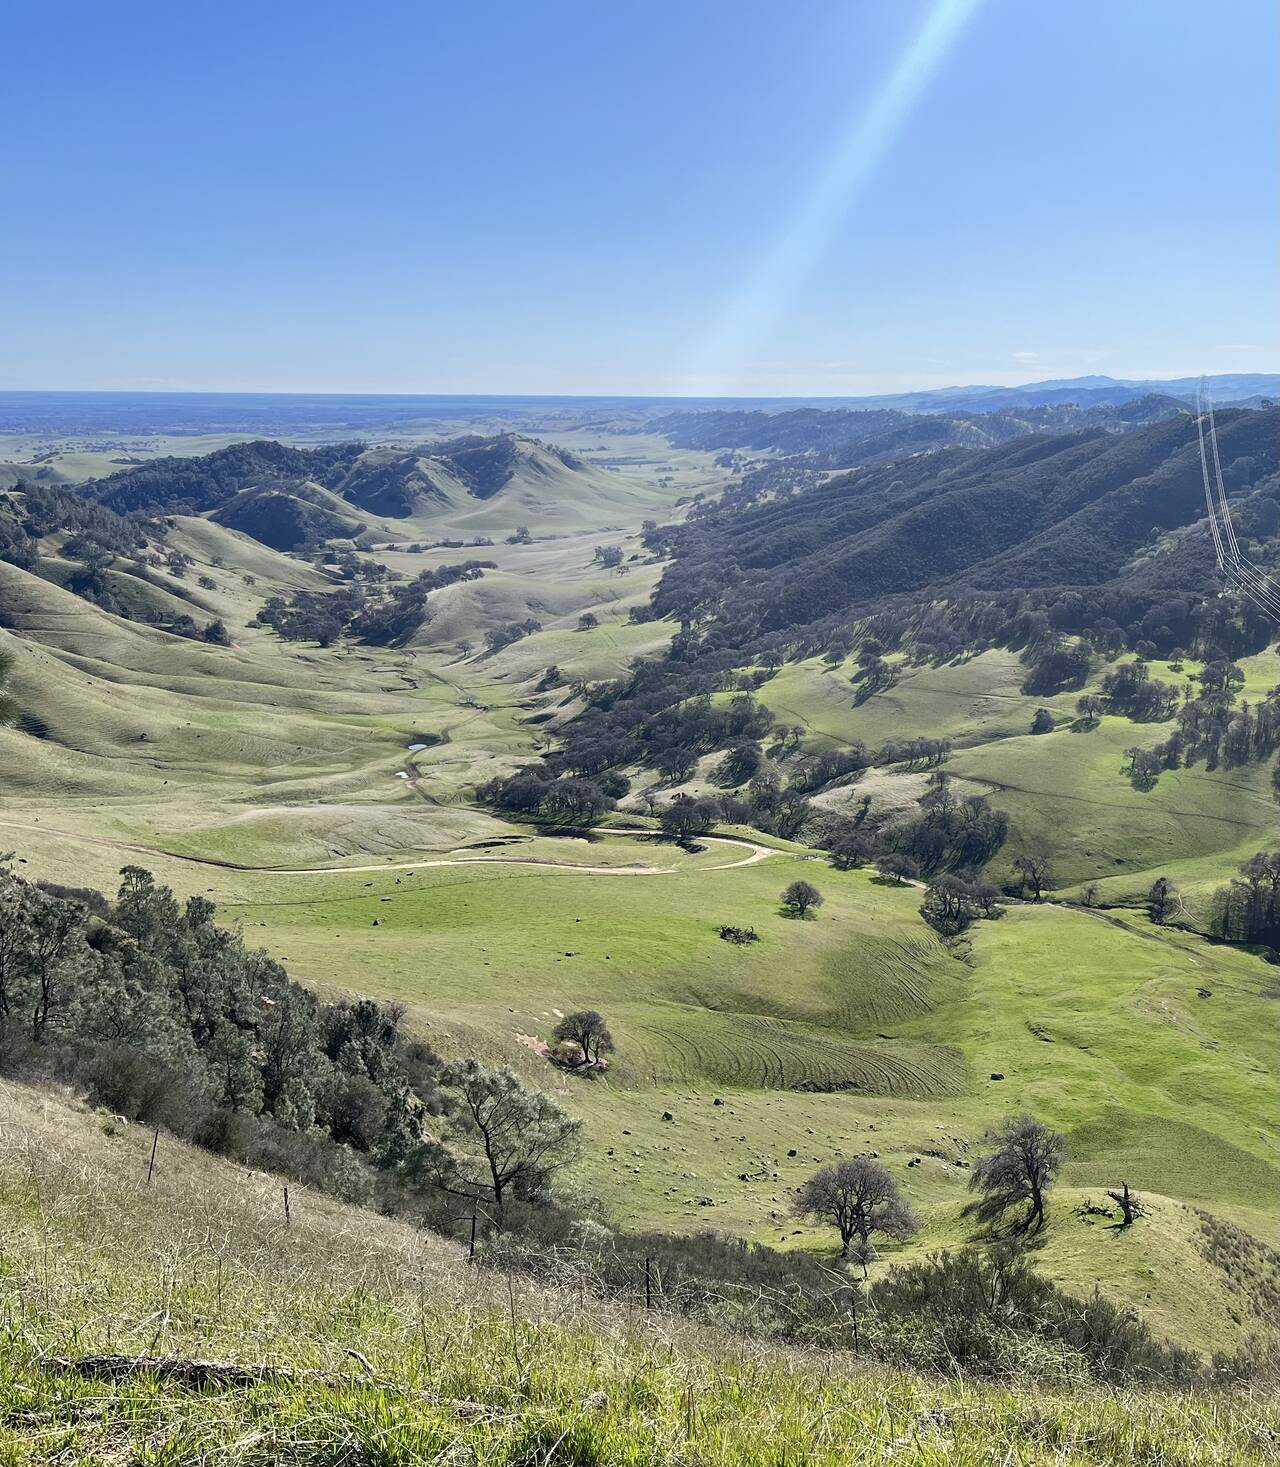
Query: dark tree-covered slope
(382, 481)
(197, 485)
(286, 521)
(846, 438)
(1041, 511)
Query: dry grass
(451, 1366)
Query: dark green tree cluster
(535, 792)
(162, 1015)
(1248, 910)
(391, 621)
(951, 904)
(948, 832)
(311, 616)
(196, 485)
(1211, 728)
(496, 638)
(1133, 692)
(166, 1016)
(1057, 667)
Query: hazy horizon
(1123, 380)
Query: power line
(1243, 576)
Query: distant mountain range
(1236, 389)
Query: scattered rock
(996, 1075)
(667, 1116)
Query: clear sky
(606, 196)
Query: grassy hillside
(245, 772)
(402, 1353)
(875, 1038)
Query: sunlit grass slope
(855, 1030)
(1066, 792)
(449, 1365)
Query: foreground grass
(404, 1353)
(621, 1402)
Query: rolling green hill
(472, 485)
(325, 798)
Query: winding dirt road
(756, 852)
(572, 868)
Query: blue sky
(709, 196)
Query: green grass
(1065, 792)
(461, 1366)
(853, 1031)
(978, 698)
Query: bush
(993, 1314)
(143, 1087)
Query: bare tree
(859, 1198)
(800, 896)
(897, 868)
(502, 1140)
(588, 1030)
(1022, 1168)
(1090, 708)
(1036, 871)
(1130, 1203)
